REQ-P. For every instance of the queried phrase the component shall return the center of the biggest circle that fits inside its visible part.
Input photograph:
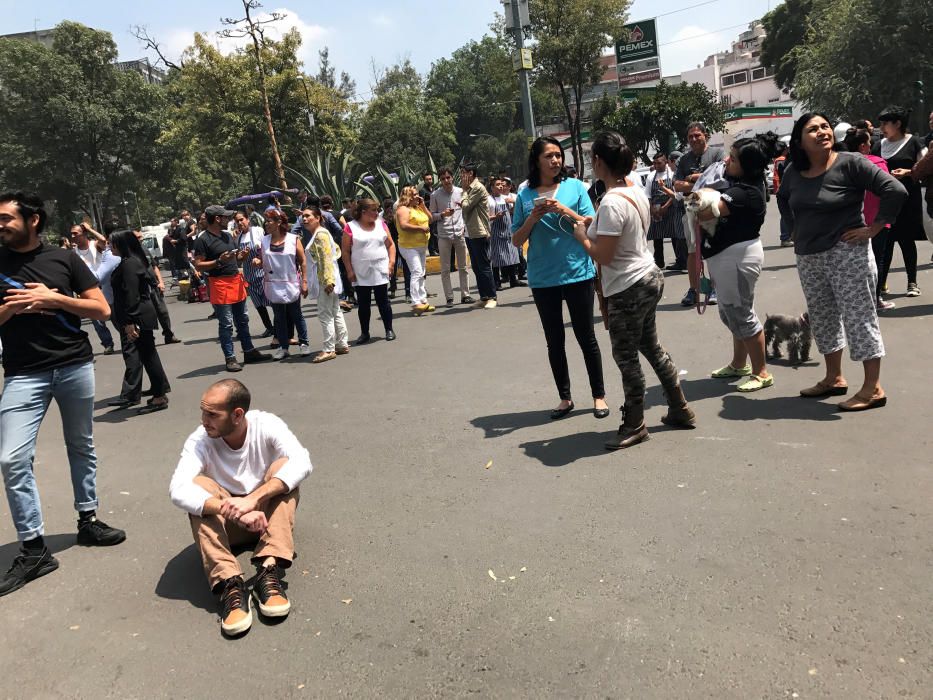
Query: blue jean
(282, 315)
(227, 316)
(25, 400)
(106, 339)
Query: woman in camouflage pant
(633, 286)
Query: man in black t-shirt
(216, 255)
(45, 291)
(689, 168)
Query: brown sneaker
(323, 357)
(236, 615)
(270, 592)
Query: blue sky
(365, 32)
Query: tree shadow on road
(737, 407)
(55, 543)
(566, 449)
(183, 579)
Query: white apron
(281, 281)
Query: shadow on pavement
(183, 579)
(505, 423)
(737, 407)
(55, 543)
(909, 311)
(204, 372)
(566, 449)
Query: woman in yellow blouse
(412, 219)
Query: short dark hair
(445, 170)
(387, 203)
(327, 202)
(27, 204)
(471, 168)
(895, 113)
(796, 154)
(426, 173)
(313, 208)
(312, 199)
(537, 148)
(614, 152)
(697, 125)
(238, 395)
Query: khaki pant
(458, 245)
(215, 535)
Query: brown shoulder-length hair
(364, 204)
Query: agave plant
(331, 173)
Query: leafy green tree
(786, 26)
(73, 127)
(571, 36)
(653, 122)
(402, 124)
(859, 57)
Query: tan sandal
(859, 402)
(821, 389)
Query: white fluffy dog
(703, 200)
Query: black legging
(884, 252)
(579, 298)
(363, 297)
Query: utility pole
(517, 20)
(254, 29)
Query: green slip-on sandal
(729, 371)
(754, 383)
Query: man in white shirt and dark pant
(238, 480)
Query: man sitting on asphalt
(238, 480)
(216, 254)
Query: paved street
(779, 550)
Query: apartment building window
(761, 73)
(731, 79)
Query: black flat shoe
(153, 406)
(363, 339)
(123, 403)
(390, 335)
(561, 412)
(601, 412)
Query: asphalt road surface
(454, 541)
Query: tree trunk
(267, 112)
(565, 100)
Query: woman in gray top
(821, 201)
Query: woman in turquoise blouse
(559, 269)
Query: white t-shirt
(238, 471)
(617, 216)
(90, 256)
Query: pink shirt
(870, 207)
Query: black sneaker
(270, 592)
(27, 567)
(97, 533)
(253, 356)
(236, 614)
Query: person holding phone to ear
(559, 268)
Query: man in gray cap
(216, 255)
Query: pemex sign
(641, 43)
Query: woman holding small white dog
(821, 197)
(734, 255)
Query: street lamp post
(138, 217)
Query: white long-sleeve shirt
(238, 471)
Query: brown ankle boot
(631, 432)
(679, 414)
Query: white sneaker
(280, 354)
(304, 349)
(490, 304)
